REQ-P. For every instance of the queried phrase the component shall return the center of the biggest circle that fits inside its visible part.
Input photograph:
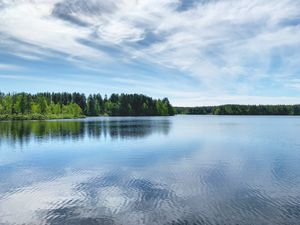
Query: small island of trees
(21, 106)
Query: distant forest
(241, 110)
(75, 105)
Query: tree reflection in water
(22, 132)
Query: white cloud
(117, 32)
(10, 67)
(33, 26)
(217, 44)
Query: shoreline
(65, 117)
(38, 117)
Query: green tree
(91, 110)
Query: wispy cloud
(10, 67)
(225, 46)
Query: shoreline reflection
(22, 132)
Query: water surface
(182, 170)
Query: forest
(21, 106)
(241, 110)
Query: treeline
(127, 105)
(241, 110)
(73, 105)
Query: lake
(181, 170)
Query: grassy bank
(38, 117)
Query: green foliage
(241, 110)
(128, 105)
(65, 105)
(23, 106)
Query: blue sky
(196, 52)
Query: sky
(195, 52)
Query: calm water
(182, 170)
